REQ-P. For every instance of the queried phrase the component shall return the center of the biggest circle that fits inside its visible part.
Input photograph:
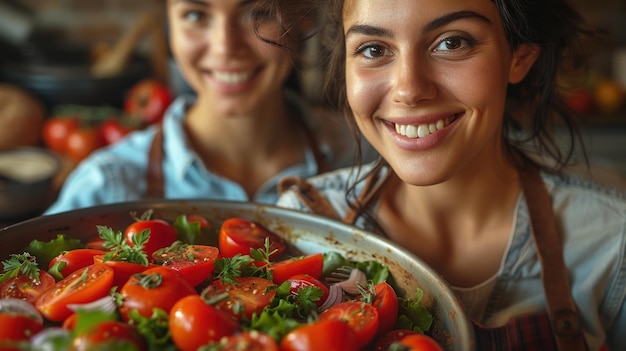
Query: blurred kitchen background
(89, 53)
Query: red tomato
(248, 296)
(419, 342)
(122, 270)
(112, 130)
(148, 99)
(70, 322)
(15, 327)
(300, 281)
(25, 288)
(204, 223)
(85, 285)
(70, 261)
(158, 287)
(162, 234)
(96, 243)
(385, 340)
(81, 142)
(360, 316)
(248, 341)
(55, 131)
(193, 262)
(109, 335)
(194, 323)
(326, 335)
(310, 264)
(386, 303)
(238, 236)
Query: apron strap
(154, 173)
(561, 306)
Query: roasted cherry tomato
(162, 234)
(109, 335)
(122, 270)
(238, 236)
(247, 296)
(25, 288)
(147, 100)
(70, 261)
(326, 335)
(300, 281)
(416, 342)
(312, 265)
(247, 341)
(193, 323)
(360, 316)
(157, 287)
(385, 340)
(15, 328)
(386, 303)
(192, 262)
(85, 285)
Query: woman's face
(221, 56)
(426, 81)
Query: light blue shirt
(592, 220)
(118, 173)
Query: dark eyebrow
(454, 16)
(436, 23)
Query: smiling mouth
(413, 131)
(232, 77)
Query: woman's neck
(460, 227)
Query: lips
(416, 131)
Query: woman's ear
(524, 57)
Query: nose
(413, 80)
(227, 36)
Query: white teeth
(422, 130)
(232, 77)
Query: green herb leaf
(20, 264)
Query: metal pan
(306, 232)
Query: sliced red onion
(335, 296)
(356, 279)
(105, 304)
(19, 306)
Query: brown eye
(372, 51)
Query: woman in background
(241, 132)
(459, 97)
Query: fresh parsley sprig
(120, 250)
(17, 264)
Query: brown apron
(155, 182)
(557, 329)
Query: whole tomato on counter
(147, 100)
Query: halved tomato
(85, 285)
(418, 342)
(248, 341)
(238, 236)
(122, 270)
(312, 265)
(25, 288)
(109, 335)
(248, 295)
(70, 261)
(192, 262)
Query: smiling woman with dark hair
(459, 97)
(244, 127)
